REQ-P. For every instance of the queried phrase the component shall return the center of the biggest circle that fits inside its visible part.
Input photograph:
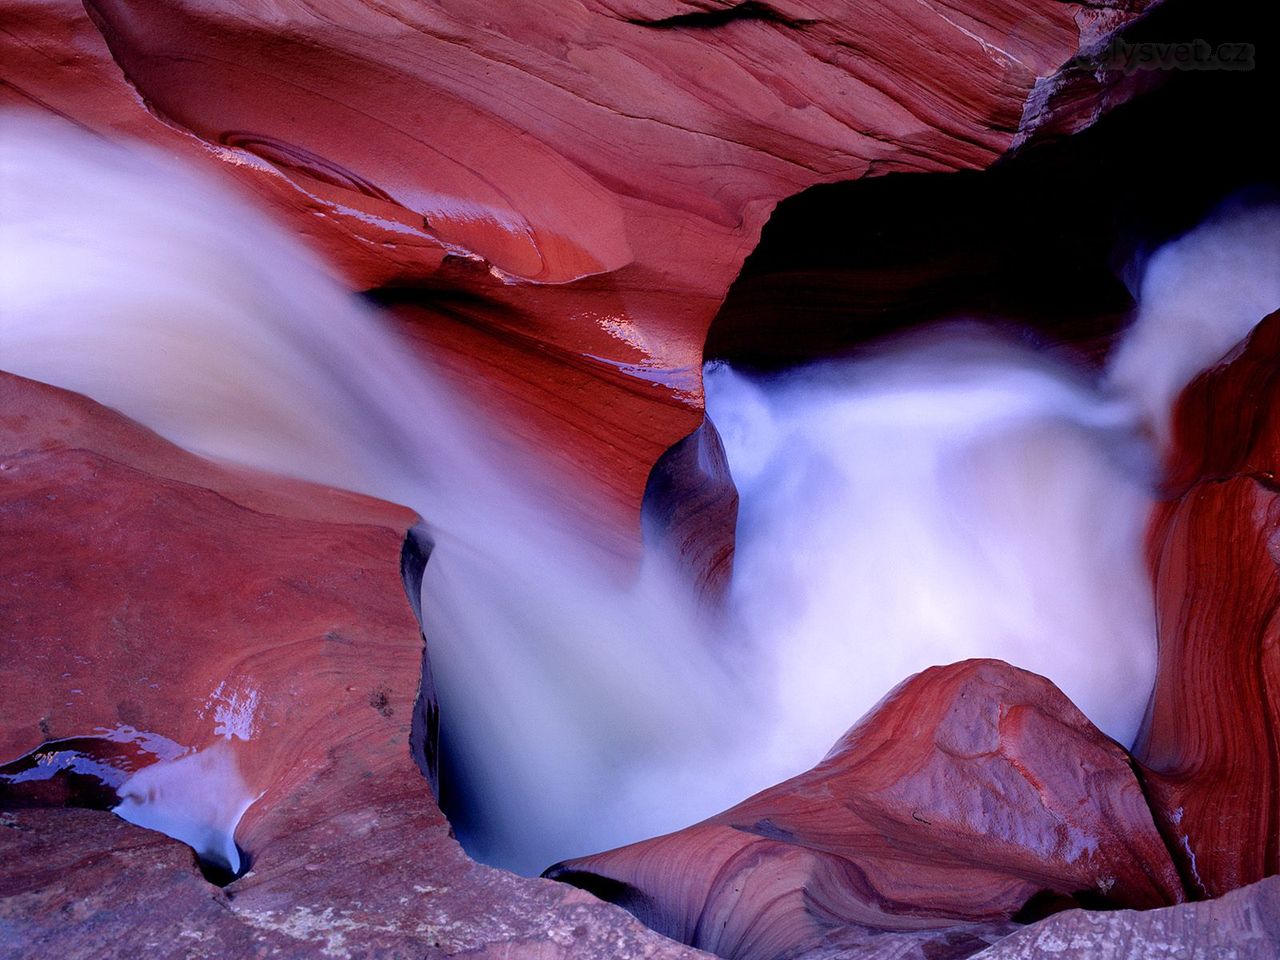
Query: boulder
(973, 793)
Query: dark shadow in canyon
(1043, 242)
(424, 732)
(1048, 244)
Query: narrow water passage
(938, 500)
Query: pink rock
(577, 181)
(1243, 925)
(154, 602)
(973, 793)
(84, 885)
(1209, 748)
(182, 606)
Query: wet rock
(1209, 746)
(975, 792)
(220, 641)
(691, 509)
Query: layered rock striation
(1210, 745)
(973, 793)
(199, 644)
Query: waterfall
(945, 496)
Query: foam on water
(197, 798)
(1199, 295)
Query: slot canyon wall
(554, 200)
(556, 197)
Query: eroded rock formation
(975, 792)
(577, 181)
(160, 610)
(692, 509)
(161, 601)
(1210, 747)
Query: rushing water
(945, 497)
(952, 497)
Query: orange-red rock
(1210, 746)
(588, 176)
(143, 592)
(973, 792)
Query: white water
(578, 701)
(936, 502)
(1199, 296)
(954, 497)
(198, 798)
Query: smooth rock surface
(154, 604)
(580, 181)
(1210, 746)
(692, 509)
(155, 598)
(975, 792)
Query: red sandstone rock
(534, 139)
(1209, 746)
(144, 592)
(969, 791)
(588, 176)
(600, 424)
(693, 508)
(149, 592)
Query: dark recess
(1040, 242)
(424, 730)
(710, 19)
